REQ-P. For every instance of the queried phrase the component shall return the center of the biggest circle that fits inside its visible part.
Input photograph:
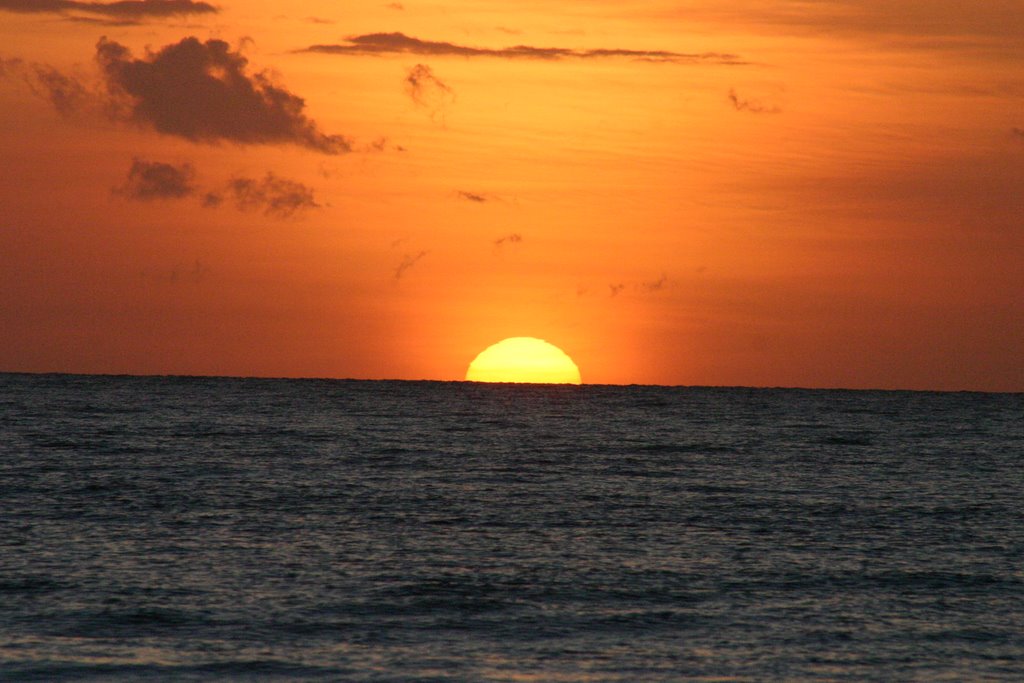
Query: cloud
(514, 238)
(472, 196)
(655, 285)
(752, 106)
(178, 274)
(98, 21)
(379, 145)
(408, 261)
(123, 9)
(66, 93)
(1017, 132)
(399, 43)
(148, 180)
(617, 288)
(395, 6)
(202, 92)
(274, 196)
(427, 90)
(9, 66)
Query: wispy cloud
(752, 106)
(1017, 132)
(179, 274)
(123, 9)
(9, 65)
(100, 21)
(399, 43)
(514, 238)
(274, 196)
(655, 285)
(643, 287)
(408, 261)
(67, 94)
(475, 197)
(148, 180)
(202, 91)
(427, 90)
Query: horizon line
(157, 375)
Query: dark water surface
(189, 528)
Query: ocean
(176, 528)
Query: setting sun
(523, 359)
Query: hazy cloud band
(124, 9)
(399, 43)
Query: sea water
(171, 528)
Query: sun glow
(523, 359)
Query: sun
(523, 359)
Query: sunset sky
(731, 192)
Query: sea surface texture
(243, 529)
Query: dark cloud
(399, 43)
(274, 196)
(1017, 132)
(395, 6)
(752, 106)
(203, 92)
(124, 9)
(149, 180)
(472, 196)
(514, 238)
(615, 289)
(408, 261)
(426, 89)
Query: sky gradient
(790, 193)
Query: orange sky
(821, 194)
